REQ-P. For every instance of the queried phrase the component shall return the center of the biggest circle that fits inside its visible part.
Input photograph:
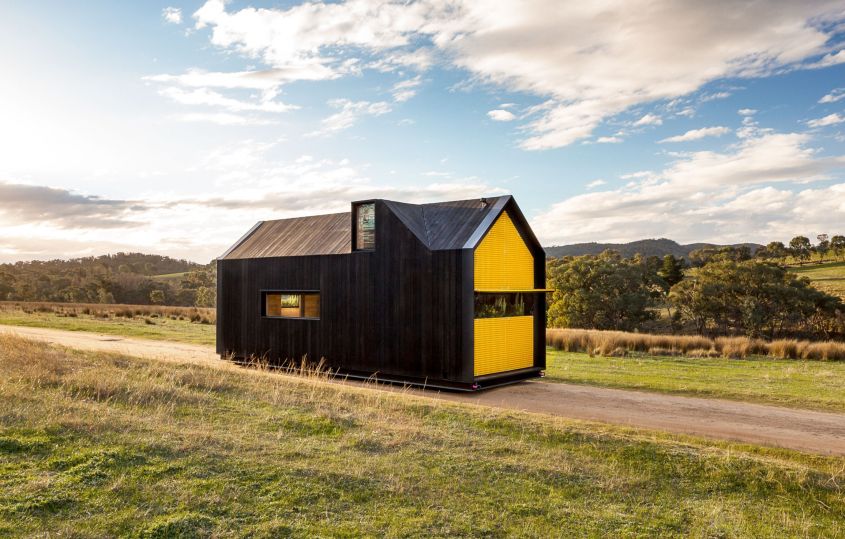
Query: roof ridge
(312, 216)
(412, 218)
(425, 226)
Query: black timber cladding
(404, 309)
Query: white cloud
(649, 119)
(608, 140)
(747, 112)
(501, 115)
(264, 80)
(594, 61)
(696, 134)
(640, 174)
(828, 60)
(835, 95)
(297, 39)
(595, 183)
(419, 60)
(173, 15)
(199, 88)
(204, 96)
(43, 222)
(589, 62)
(406, 89)
(350, 112)
(222, 118)
(714, 96)
(63, 208)
(713, 196)
(830, 119)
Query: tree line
(116, 278)
(726, 291)
(799, 248)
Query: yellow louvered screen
(502, 260)
(503, 344)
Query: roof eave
(242, 239)
(497, 208)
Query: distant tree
(7, 285)
(672, 270)
(776, 249)
(104, 296)
(197, 279)
(205, 297)
(738, 253)
(837, 245)
(701, 257)
(186, 296)
(823, 246)
(800, 247)
(601, 292)
(754, 299)
(157, 297)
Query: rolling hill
(650, 247)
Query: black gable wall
(398, 310)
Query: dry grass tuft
(610, 343)
(199, 315)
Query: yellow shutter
(503, 344)
(503, 262)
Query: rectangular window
(490, 305)
(365, 226)
(291, 305)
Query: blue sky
(172, 127)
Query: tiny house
(447, 294)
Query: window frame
(355, 206)
(263, 299)
(529, 304)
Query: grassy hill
(651, 247)
(115, 278)
(95, 445)
(828, 277)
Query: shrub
(784, 348)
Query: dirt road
(803, 430)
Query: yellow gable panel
(502, 260)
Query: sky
(172, 127)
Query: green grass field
(828, 277)
(158, 328)
(96, 445)
(174, 277)
(795, 383)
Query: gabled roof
(447, 225)
(439, 226)
(299, 236)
